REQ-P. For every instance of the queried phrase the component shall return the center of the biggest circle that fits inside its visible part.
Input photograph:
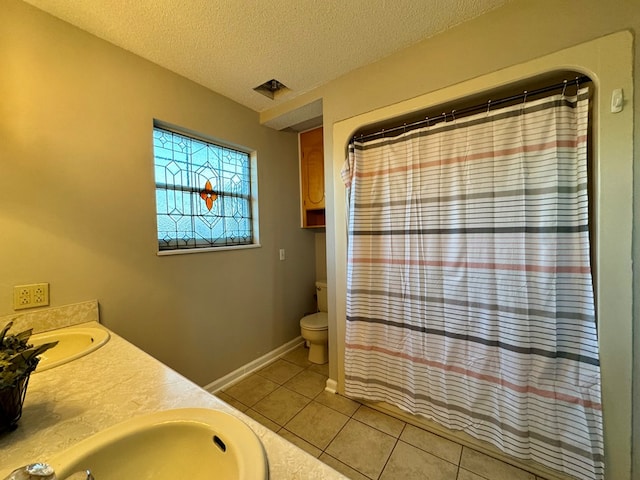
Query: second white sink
(73, 342)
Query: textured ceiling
(232, 46)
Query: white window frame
(253, 196)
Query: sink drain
(219, 443)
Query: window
(204, 195)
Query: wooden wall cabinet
(312, 178)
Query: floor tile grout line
(389, 457)
(459, 462)
(335, 436)
(300, 410)
(276, 381)
(349, 466)
(376, 428)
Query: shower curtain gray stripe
(469, 291)
(484, 306)
(550, 352)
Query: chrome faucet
(44, 471)
(83, 475)
(33, 471)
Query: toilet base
(318, 353)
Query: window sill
(164, 253)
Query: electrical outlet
(40, 294)
(29, 296)
(21, 297)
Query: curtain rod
(466, 111)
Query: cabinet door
(312, 176)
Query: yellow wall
(77, 201)
(498, 48)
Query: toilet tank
(321, 293)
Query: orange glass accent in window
(208, 196)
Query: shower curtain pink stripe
(469, 290)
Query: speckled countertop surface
(112, 384)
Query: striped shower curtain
(469, 290)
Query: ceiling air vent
(271, 89)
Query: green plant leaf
(24, 336)
(5, 330)
(17, 358)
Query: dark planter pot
(11, 400)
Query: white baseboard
(251, 367)
(332, 386)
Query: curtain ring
(453, 114)
(564, 88)
(488, 106)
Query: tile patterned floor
(288, 397)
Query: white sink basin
(73, 342)
(192, 443)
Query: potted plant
(18, 359)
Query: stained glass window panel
(203, 193)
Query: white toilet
(314, 328)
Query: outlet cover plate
(29, 296)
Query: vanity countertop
(114, 383)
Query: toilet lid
(317, 321)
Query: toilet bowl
(314, 328)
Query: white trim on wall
(251, 367)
